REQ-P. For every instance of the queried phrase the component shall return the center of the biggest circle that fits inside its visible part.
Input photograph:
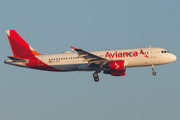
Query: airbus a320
(112, 62)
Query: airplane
(113, 62)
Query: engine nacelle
(117, 65)
(118, 73)
(115, 73)
(116, 68)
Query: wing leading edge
(91, 58)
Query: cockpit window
(164, 51)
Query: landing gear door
(153, 53)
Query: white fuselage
(132, 57)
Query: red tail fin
(19, 46)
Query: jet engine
(116, 68)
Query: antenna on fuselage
(150, 46)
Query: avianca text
(121, 54)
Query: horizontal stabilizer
(15, 59)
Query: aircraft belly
(69, 67)
(73, 67)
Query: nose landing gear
(154, 73)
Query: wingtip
(73, 47)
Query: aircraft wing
(91, 58)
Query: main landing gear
(96, 77)
(154, 73)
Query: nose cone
(173, 57)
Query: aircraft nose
(173, 57)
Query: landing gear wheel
(96, 79)
(154, 73)
(95, 74)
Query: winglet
(72, 48)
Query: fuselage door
(153, 53)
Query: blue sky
(53, 26)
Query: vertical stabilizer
(19, 46)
